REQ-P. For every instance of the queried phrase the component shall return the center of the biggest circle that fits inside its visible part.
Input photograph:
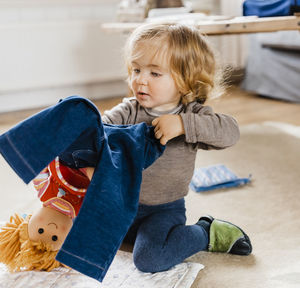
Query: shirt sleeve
(121, 114)
(153, 148)
(208, 130)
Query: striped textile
(55, 192)
(215, 177)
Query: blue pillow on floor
(215, 177)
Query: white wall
(53, 49)
(50, 49)
(233, 47)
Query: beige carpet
(268, 209)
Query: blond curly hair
(19, 253)
(192, 61)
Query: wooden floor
(245, 107)
(250, 108)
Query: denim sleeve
(83, 152)
(153, 148)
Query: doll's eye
(54, 238)
(41, 230)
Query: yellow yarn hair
(19, 253)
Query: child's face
(49, 226)
(151, 81)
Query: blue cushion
(215, 177)
(267, 8)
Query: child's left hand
(168, 127)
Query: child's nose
(142, 79)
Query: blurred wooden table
(221, 25)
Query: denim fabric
(161, 239)
(73, 129)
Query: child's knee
(147, 260)
(143, 263)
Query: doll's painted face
(49, 226)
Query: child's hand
(168, 127)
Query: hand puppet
(32, 242)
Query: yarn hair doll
(32, 242)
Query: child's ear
(10, 239)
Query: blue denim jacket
(73, 130)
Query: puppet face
(49, 226)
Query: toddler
(171, 72)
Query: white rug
(122, 274)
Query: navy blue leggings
(161, 239)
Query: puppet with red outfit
(62, 190)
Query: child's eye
(136, 70)
(41, 230)
(54, 238)
(155, 74)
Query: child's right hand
(168, 127)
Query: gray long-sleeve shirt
(168, 178)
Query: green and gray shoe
(226, 237)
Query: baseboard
(49, 96)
